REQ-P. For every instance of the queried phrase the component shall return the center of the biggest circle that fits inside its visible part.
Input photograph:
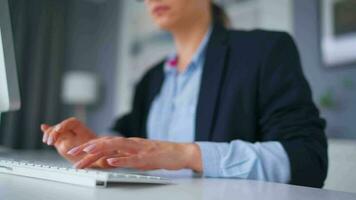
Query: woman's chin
(164, 24)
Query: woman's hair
(219, 15)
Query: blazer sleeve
(129, 124)
(288, 114)
(133, 124)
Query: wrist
(193, 154)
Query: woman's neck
(188, 37)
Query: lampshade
(80, 88)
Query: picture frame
(338, 32)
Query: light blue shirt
(172, 118)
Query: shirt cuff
(211, 157)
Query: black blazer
(252, 89)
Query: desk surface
(184, 187)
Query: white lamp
(80, 89)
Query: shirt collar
(198, 57)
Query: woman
(241, 96)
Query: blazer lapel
(212, 77)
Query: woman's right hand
(67, 135)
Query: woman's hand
(66, 135)
(139, 154)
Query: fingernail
(45, 137)
(112, 161)
(57, 128)
(42, 127)
(50, 140)
(73, 150)
(77, 165)
(89, 148)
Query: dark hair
(219, 15)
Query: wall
(339, 82)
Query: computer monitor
(9, 87)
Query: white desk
(184, 187)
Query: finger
(134, 161)
(54, 134)
(121, 144)
(93, 146)
(88, 160)
(76, 150)
(46, 134)
(44, 127)
(79, 149)
(65, 126)
(107, 144)
(102, 162)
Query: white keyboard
(91, 178)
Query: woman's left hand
(140, 154)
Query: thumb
(45, 127)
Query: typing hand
(139, 153)
(66, 135)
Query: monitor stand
(2, 148)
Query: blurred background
(83, 57)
